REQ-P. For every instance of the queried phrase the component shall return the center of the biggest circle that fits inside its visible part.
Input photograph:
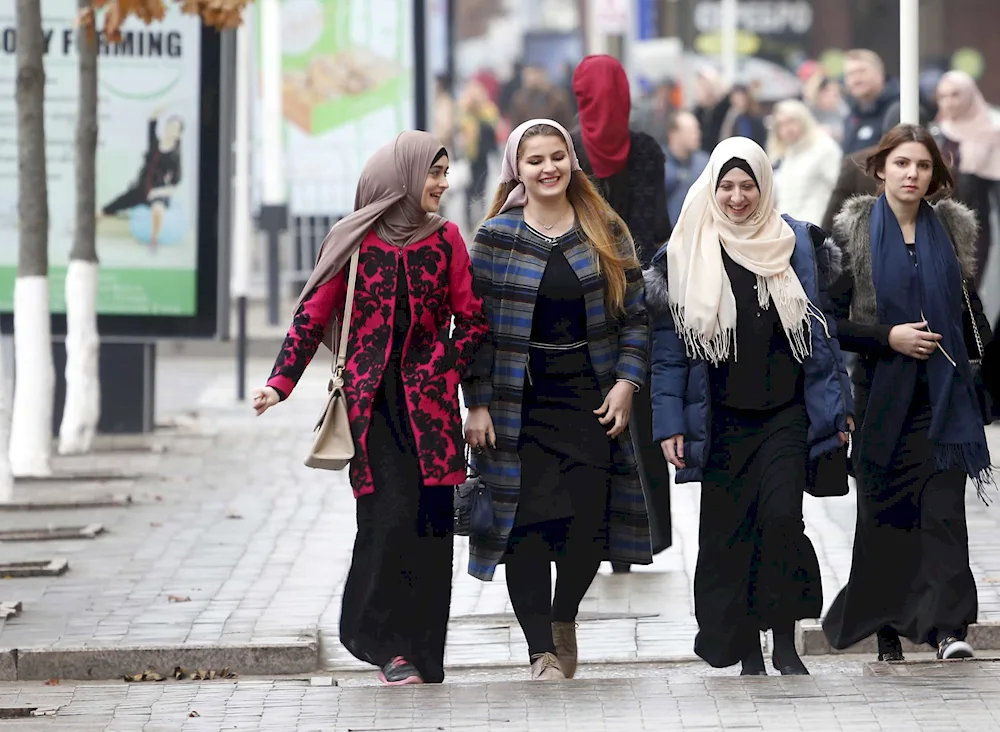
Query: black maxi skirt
(565, 454)
(910, 568)
(756, 568)
(398, 590)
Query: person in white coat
(806, 160)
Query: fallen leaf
(233, 516)
(52, 682)
(181, 673)
(157, 498)
(155, 524)
(194, 714)
(147, 675)
(178, 598)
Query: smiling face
(907, 173)
(544, 167)
(435, 185)
(737, 195)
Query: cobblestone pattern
(226, 514)
(961, 700)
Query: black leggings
(529, 578)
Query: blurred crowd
(817, 143)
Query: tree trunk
(82, 410)
(31, 424)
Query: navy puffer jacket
(680, 388)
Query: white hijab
(701, 296)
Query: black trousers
(398, 592)
(756, 568)
(528, 564)
(910, 568)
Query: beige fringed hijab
(701, 296)
(387, 200)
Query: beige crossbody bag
(333, 448)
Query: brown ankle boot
(564, 636)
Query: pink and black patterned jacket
(439, 279)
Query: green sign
(347, 89)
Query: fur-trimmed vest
(851, 235)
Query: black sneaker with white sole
(953, 648)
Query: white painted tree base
(31, 422)
(6, 478)
(82, 410)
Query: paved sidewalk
(227, 520)
(952, 697)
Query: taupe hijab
(387, 200)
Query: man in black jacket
(870, 99)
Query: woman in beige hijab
(970, 139)
(749, 390)
(401, 387)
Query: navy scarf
(931, 291)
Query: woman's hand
(913, 340)
(846, 436)
(479, 431)
(264, 399)
(673, 451)
(616, 408)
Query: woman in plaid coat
(549, 397)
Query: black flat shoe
(792, 666)
(753, 671)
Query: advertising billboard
(157, 114)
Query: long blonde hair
(776, 149)
(604, 230)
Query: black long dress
(756, 568)
(910, 565)
(398, 591)
(565, 452)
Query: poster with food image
(149, 112)
(347, 88)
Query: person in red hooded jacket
(627, 166)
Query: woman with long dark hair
(627, 167)
(907, 305)
(748, 386)
(549, 402)
(401, 387)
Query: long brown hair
(603, 228)
(941, 183)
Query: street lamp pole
(729, 14)
(909, 61)
(274, 208)
(241, 236)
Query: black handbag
(826, 476)
(473, 504)
(986, 406)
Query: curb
(94, 663)
(811, 641)
(925, 669)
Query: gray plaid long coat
(508, 262)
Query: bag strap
(972, 317)
(340, 357)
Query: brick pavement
(225, 514)
(954, 696)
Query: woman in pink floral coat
(404, 365)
